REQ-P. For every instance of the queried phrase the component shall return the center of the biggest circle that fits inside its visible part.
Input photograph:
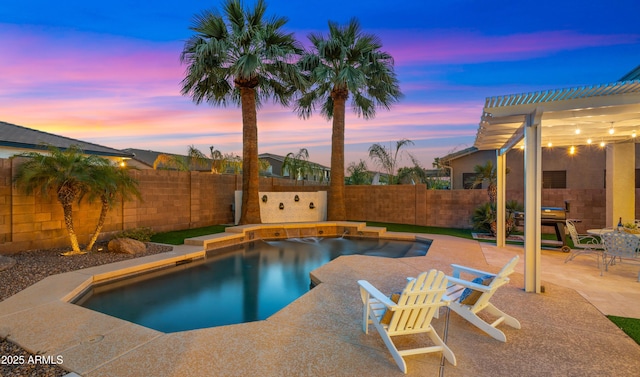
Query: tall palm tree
(387, 158)
(242, 57)
(108, 183)
(66, 173)
(346, 62)
(297, 164)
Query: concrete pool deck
(564, 331)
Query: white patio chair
(621, 245)
(468, 298)
(583, 243)
(411, 313)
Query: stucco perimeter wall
(180, 200)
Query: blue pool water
(247, 282)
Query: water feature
(243, 283)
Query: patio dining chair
(409, 312)
(622, 246)
(583, 243)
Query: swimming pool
(242, 283)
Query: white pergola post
(501, 174)
(532, 200)
(620, 182)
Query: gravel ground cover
(31, 267)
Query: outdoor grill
(551, 216)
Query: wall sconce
(264, 198)
(281, 205)
(311, 205)
(297, 198)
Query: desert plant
(484, 217)
(141, 234)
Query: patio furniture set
(610, 246)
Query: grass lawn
(177, 237)
(631, 326)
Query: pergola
(606, 115)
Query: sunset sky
(109, 72)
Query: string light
(589, 141)
(602, 144)
(633, 134)
(611, 130)
(549, 144)
(572, 150)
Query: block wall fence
(180, 200)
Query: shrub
(140, 234)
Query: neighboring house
(145, 159)
(585, 169)
(319, 173)
(16, 139)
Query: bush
(140, 234)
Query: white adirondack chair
(468, 298)
(416, 306)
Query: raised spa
(237, 284)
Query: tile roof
(15, 136)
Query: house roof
(15, 136)
(281, 159)
(458, 154)
(633, 75)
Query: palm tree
(196, 158)
(241, 57)
(108, 183)
(66, 173)
(297, 164)
(386, 158)
(347, 62)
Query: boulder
(126, 246)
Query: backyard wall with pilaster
(180, 200)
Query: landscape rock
(6, 262)
(126, 246)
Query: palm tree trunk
(250, 213)
(336, 210)
(103, 216)
(68, 222)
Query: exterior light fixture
(123, 164)
(572, 150)
(549, 144)
(633, 134)
(611, 130)
(296, 198)
(602, 144)
(589, 141)
(281, 205)
(577, 131)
